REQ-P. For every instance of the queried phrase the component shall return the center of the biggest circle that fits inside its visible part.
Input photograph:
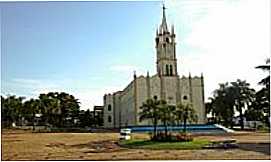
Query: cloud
(226, 42)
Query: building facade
(121, 108)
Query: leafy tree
(86, 118)
(186, 113)
(12, 108)
(32, 107)
(221, 104)
(50, 108)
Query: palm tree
(263, 95)
(265, 81)
(186, 113)
(149, 111)
(243, 95)
(165, 111)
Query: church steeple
(165, 49)
(163, 26)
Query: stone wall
(126, 104)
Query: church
(121, 108)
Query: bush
(184, 137)
(180, 137)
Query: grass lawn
(24, 145)
(147, 144)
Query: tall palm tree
(243, 95)
(263, 95)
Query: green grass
(147, 144)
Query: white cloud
(231, 38)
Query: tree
(86, 118)
(50, 108)
(186, 113)
(265, 81)
(12, 108)
(149, 111)
(165, 114)
(263, 95)
(32, 107)
(222, 107)
(243, 95)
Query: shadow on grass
(257, 147)
(154, 145)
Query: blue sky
(91, 48)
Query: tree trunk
(184, 125)
(241, 119)
(33, 120)
(155, 128)
(241, 116)
(165, 125)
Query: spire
(134, 74)
(163, 27)
(172, 29)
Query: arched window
(167, 70)
(185, 97)
(157, 41)
(109, 119)
(109, 107)
(170, 70)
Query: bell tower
(165, 49)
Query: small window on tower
(167, 70)
(109, 107)
(167, 40)
(109, 119)
(164, 45)
(170, 70)
(185, 97)
(157, 41)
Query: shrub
(184, 137)
(180, 137)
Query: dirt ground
(24, 145)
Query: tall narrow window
(167, 70)
(109, 119)
(109, 107)
(170, 70)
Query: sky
(88, 49)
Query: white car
(125, 134)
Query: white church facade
(121, 108)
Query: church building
(121, 108)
